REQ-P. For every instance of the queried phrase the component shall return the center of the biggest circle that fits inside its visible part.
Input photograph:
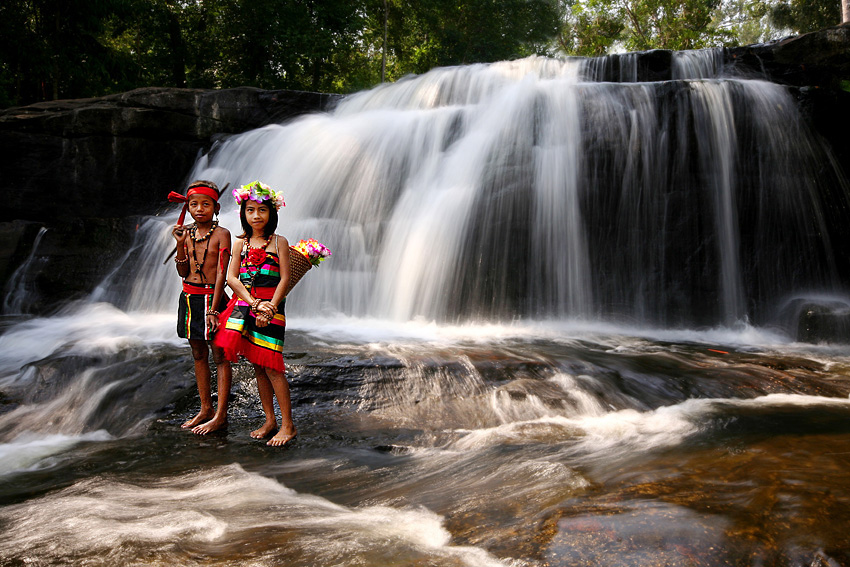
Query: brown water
(448, 448)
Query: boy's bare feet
(265, 430)
(210, 426)
(282, 438)
(198, 419)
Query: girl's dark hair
(248, 231)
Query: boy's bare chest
(203, 259)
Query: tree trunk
(55, 56)
(178, 47)
(384, 47)
(317, 74)
(845, 11)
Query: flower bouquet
(303, 256)
(313, 250)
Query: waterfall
(141, 282)
(698, 64)
(536, 189)
(527, 189)
(19, 290)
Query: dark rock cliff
(86, 169)
(120, 155)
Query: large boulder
(817, 59)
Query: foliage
(78, 48)
(804, 16)
(594, 27)
(50, 47)
(747, 20)
(428, 33)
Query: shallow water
(504, 193)
(526, 444)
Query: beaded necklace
(195, 241)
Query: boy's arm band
(223, 260)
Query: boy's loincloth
(195, 302)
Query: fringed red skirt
(239, 334)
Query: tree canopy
(595, 27)
(52, 49)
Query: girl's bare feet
(203, 415)
(265, 430)
(210, 426)
(282, 438)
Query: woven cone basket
(298, 266)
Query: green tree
(747, 20)
(804, 16)
(275, 44)
(428, 33)
(593, 27)
(73, 48)
(53, 48)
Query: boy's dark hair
(204, 183)
(271, 226)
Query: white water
(220, 508)
(698, 64)
(19, 289)
(465, 206)
(522, 191)
(433, 194)
(519, 190)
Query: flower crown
(259, 192)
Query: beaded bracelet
(255, 304)
(183, 261)
(214, 313)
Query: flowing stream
(559, 327)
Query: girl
(254, 324)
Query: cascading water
(579, 226)
(19, 288)
(520, 190)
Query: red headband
(199, 190)
(203, 190)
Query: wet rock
(73, 256)
(819, 58)
(827, 321)
(16, 239)
(655, 65)
(119, 155)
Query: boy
(203, 251)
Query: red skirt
(239, 334)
